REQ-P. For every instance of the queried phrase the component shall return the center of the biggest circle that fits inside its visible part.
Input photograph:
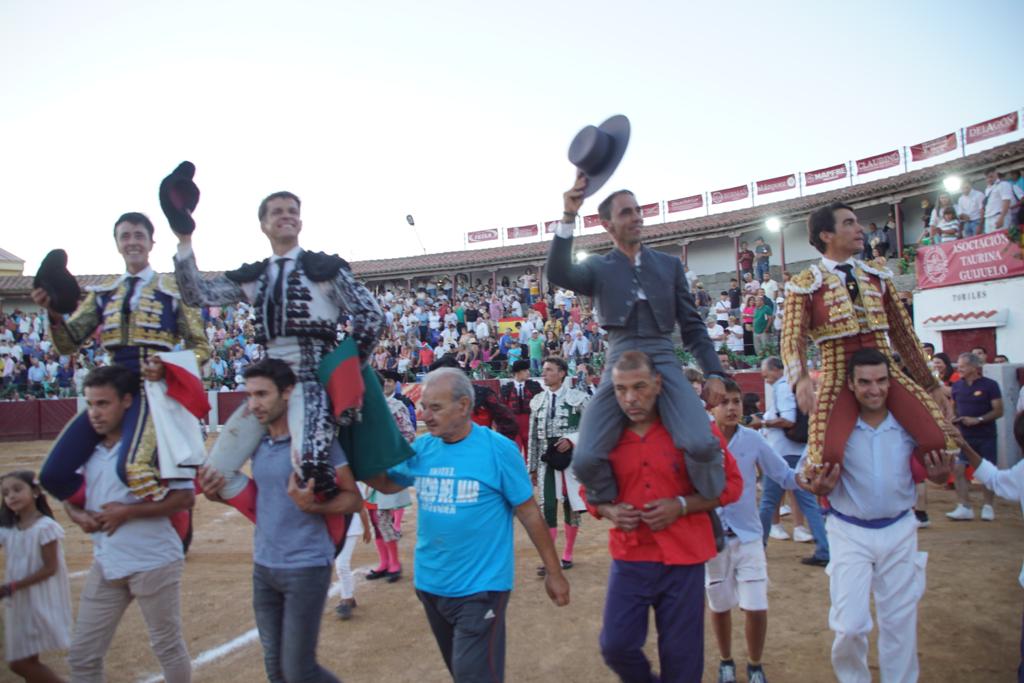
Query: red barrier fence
(32, 420)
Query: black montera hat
(597, 151)
(179, 197)
(53, 276)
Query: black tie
(851, 280)
(275, 306)
(126, 304)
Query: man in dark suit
(640, 295)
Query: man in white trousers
(872, 532)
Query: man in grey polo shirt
(293, 552)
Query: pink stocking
(570, 541)
(382, 551)
(392, 549)
(397, 516)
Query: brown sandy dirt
(969, 619)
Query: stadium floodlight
(952, 183)
(581, 255)
(773, 224)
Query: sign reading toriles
(973, 259)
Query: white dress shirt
(1007, 484)
(830, 266)
(970, 204)
(875, 482)
(783, 405)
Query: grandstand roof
(9, 257)
(889, 189)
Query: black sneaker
(756, 675)
(922, 519)
(344, 610)
(813, 561)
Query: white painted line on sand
(213, 654)
(75, 575)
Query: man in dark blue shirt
(979, 403)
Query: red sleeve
(592, 509)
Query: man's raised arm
(196, 290)
(560, 268)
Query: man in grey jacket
(639, 296)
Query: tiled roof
(8, 256)
(863, 194)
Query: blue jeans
(761, 268)
(772, 494)
(971, 228)
(288, 604)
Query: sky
(459, 113)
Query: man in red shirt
(745, 259)
(660, 540)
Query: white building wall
(1000, 295)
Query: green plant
(909, 258)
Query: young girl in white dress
(35, 593)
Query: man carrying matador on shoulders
(843, 304)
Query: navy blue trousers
(676, 592)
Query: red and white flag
(1000, 125)
(176, 405)
(878, 162)
(933, 148)
(592, 221)
(826, 175)
(780, 184)
(482, 236)
(730, 194)
(650, 210)
(521, 232)
(686, 203)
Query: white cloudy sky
(453, 111)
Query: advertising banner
(686, 203)
(973, 259)
(780, 184)
(826, 175)
(731, 194)
(879, 162)
(1001, 125)
(933, 148)
(482, 236)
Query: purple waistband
(879, 523)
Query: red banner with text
(730, 194)
(686, 203)
(826, 175)
(780, 184)
(879, 162)
(592, 221)
(933, 148)
(1001, 125)
(973, 259)
(650, 210)
(482, 236)
(521, 231)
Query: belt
(879, 523)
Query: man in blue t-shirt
(979, 403)
(470, 482)
(293, 551)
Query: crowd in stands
(973, 212)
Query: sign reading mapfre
(826, 175)
(1007, 123)
(973, 259)
(482, 236)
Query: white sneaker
(962, 513)
(987, 513)
(784, 510)
(802, 535)
(778, 533)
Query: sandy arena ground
(970, 617)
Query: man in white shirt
(734, 333)
(722, 309)
(482, 329)
(872, 533)
(142, 561)
(716, 332)
(770, 287)
(999, 198)
(780, 416)
(968, 208)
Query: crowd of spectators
(485, 328)
(974, 212)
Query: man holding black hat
(300, 298)
(640, 295)
(138, 314)
(517, 395)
